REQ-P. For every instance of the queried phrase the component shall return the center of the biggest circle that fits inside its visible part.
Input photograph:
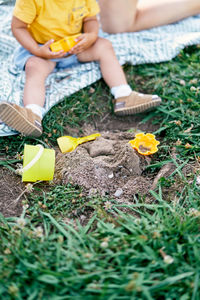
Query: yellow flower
(145, 144)
(178, 122)
(188, 146)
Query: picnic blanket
(149, 46)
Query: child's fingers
(76, 50)
(79, 38)
(59, 53)
(80, 43)
(53, 55)
(79, 47)
(47, 44)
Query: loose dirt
(107, 166)
(11, 188)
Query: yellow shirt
(54, 19)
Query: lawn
(143, 250)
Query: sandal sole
(14, 119)
(138, 109)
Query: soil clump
(107, 166)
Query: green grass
(115, 255)
(120, 260)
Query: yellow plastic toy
(38, 163)
(69, 143)
(145, 144)
(64, 44)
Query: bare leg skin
(37, 69)
(133, 15)
(102, 51)
(114, 76)
(28, 120)
(117, 15)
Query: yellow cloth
(54, 19)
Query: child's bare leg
(131, 15)
(37, 70)
(28, 120)
(126, 101)
(109, 64)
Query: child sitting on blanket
(36, 24)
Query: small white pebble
(198, 180)
(118, 192)
(82, 217)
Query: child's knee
(39, 67)
(103, 46)
(32, 65)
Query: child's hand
(45, 52)
(85, 41)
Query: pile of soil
(107, 166)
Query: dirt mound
(108, 166)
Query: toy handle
(88, 138)
(34, 160)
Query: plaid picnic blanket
(149, 46)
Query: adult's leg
(160, 12)
(117, 15)
(131, 15)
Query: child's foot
(135, 103)
(21, 119)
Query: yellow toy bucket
(38, 163)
